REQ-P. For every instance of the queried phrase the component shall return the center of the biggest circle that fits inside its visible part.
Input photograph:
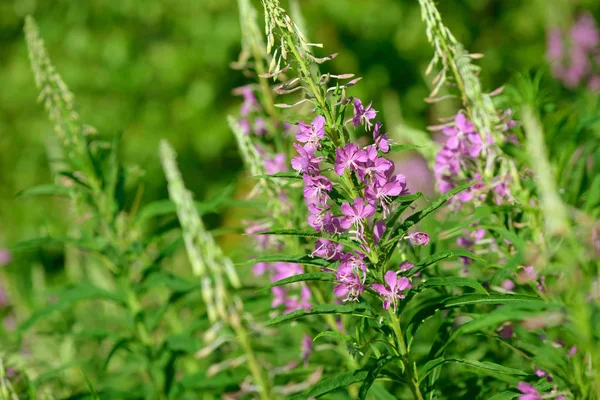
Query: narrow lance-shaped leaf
(357, 309)
(313, 276)
(334, 383)
(345, 240)
(372, 375)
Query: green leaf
(418, 216)
(200, 381)
(69, 297)
(173, 282)
(507, 395)
(119, 344)
(443, 255)
(304, 260)
(380, 393)
(345, 240)
(357, 309)
(403, 147)
(287, 175)
(372, 375)
(405, 202)
(496, 299)
(336, 335)
(337, 382)
(498, 316)
(454, 281)
(487, 366)
(312, 276)
(183, 343)
(97, 244)
(46, 190)
(161, 208)
(429, 367)
(481, 366)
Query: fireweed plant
(496, 299)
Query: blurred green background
(160, 69)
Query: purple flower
(541, 374)
(502, 190)
(381, 140)
(316, 189)
(378, 231)
(356, 213)
(418, 238)
(327, 249)
(260, 268)
(508, 285)
(260, 126)
(245, 126)
(529, 392)
(311, 135)
(276, 164)
(585, 33)
(320, 219)
(305, 162)
(463, 137)
(5, 257)
(382, 195)
(506, 331)
(351, 285)
(283, 270)
(263, 241)
(405, 266)
(363, 115)
(391, 292)
(306, 349)
(374, 168)
(349, 157)
(250, 102)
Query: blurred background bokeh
(157, 69)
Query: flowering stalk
(358, 197)
(210, 264)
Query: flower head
(312, 134)
(419, 238)
(349, 158)
(363, 115)
(381, 140)
(529, 392)
(355, 213)
(392, 292)
(305, 162)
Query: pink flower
(391, 292)
(311, 135)
(356, 213)
(419, 238)
(363, 115)
(381, 140)
(348, 158)
(529, 392)
(305, 162)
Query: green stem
(254, 366)
(413, 381)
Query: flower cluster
(368, 182)
(531, 393)
(461, 158)
(575, 57)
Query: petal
(346, 208)
(379, 288)
(391, 279)
(404, 283)
(340, 290)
